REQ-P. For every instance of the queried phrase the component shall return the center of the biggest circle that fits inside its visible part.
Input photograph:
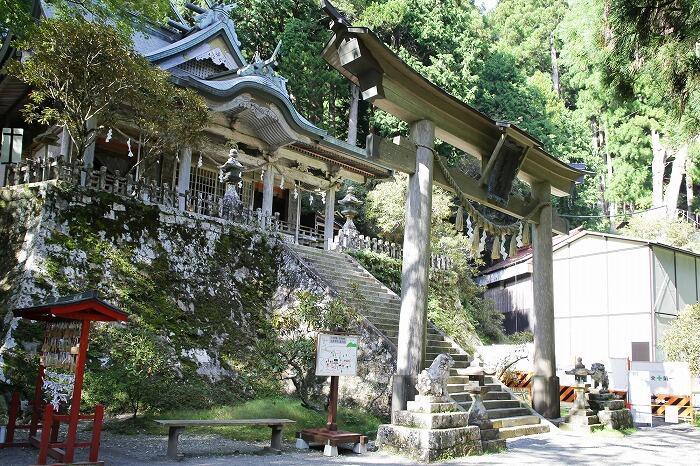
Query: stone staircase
(382, 307)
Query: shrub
(681, 342)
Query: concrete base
(330, 450)
(301, 444)
(359, 448)
(545, 396)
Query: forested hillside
(612, 84)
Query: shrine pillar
(414, 271)
(268, 187)
(545, 383)
(183, 176)
(329, 219)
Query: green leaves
(681, 340)
(80, 71)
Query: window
(11, 150)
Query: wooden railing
(352, 239)
(145, 190)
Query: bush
(130, 370)
(681, 341)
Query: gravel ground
(676, 444)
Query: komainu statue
(433, 380)
(600, 376)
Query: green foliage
(681, 341)
(521, 337)
(290, 341)
(83, 70)
(455, 303)
(131, 369)
(17, 15)
(674, 232)
(349, 419)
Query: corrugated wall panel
(629, 277)
(685, 280)
(664, 281)
(588, 276)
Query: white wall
(602, 299)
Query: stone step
(456, 356)
(507, 412)
(515, 421)
(497, 404)
(522, 430)
(495, 395)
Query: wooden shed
(614, 296)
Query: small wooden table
(175, 428)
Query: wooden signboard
(336, 355)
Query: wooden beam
(401, 157)
(492, 160)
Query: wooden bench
(175, 428)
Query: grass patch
(608, 432)
(349, 419)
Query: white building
(614, 296)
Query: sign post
(336, 355)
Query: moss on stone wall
(200, 285)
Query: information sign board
(336, 355)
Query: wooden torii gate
(505, 152)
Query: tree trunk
(674, 184)
(354, 113)
(612, 205)
(555, 66)
(658, 168)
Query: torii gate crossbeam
(505, 151)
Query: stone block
(493, 446)
(611, 405)
(431, 420)
(424, 407)
(616, 419)
(410, 437)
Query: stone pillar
(183, 176)
(545, 383)
(268, 186)
(414, 273)
(329, 219)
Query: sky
(486, 5)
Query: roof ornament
(216, 13)
(262, 67)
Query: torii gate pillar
(545, 383)
(413, 320)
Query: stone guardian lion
(433, 380)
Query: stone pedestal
(478, 416)
(581, 417)
(611, 411)
(433, 428)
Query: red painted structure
(85, 308)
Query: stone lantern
(349, 205)
(230, 174)
(581, 417)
